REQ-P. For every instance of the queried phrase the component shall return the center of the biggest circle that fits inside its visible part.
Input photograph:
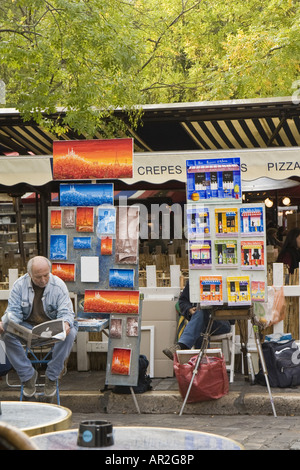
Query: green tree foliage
(92, 56)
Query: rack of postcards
(93, 247)
(226, 238)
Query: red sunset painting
(105, 301)
(92, 159)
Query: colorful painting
(85, 219)
(211, 291)
(86, 194)
(55, 219)
(92, 159)
(121, 361)
(258, 290)
(106, 246)
(106, 301)
(238, 290)
(65, 271)
(252, 254)
(200, 254)
(226, 222)
(252, 220)
(59, 247)
(226, 254)
(213, 179)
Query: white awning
(35, 170)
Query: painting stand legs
(135, 400)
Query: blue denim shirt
(56, 300)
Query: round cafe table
(141, 438)
(35, 417)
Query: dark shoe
(50, 387)
(169, 352)
(29, 388)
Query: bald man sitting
(36, 297)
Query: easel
(231, 313)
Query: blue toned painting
(121, 278)
(82, 243)
(58, 247)
(106, 224)
(86, 194)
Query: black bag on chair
(283, 364)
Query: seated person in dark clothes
(290, 251)
(196, 327)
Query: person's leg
(17, 356)
(61, 352)
(193, 331)
(219, 327)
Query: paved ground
(244, 415)
(253, 432)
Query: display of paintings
(106, 224)
(132, 326)
(127, 235)
(226, 254)
(65, 271)
(213, 179)
(198, 223)
(115, 328)
(238, 290)
(211, 290)
(200, 254)
(121, 278)
(58, 247)
(86, 194)
(121, 358)
(251, 220)
(82, 243)
(252, 254)
(93, 159)
(106, 246)
(89, 268)
(69, 218)
(258, 290)
(111, 301)
(55, 219)
(85, 219)
(226, 222)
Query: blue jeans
(17, 356)
(192, 334)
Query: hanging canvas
(58, 247)
(89, 268)
(93, 159)
(115, 328)
(69, 218)
(85, 219)
(121, 358)
(65, 271)
(127, 235)
(121, 278)
(111, 301)
(55, 219)
(86, 194)
(106, 246)
(200, 254)
(82, 243)
(132, 326)
(106, 223)
(198, 222)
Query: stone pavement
(244, 415)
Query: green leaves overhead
(91, 56)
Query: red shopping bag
(210, 382)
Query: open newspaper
(44, 334)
